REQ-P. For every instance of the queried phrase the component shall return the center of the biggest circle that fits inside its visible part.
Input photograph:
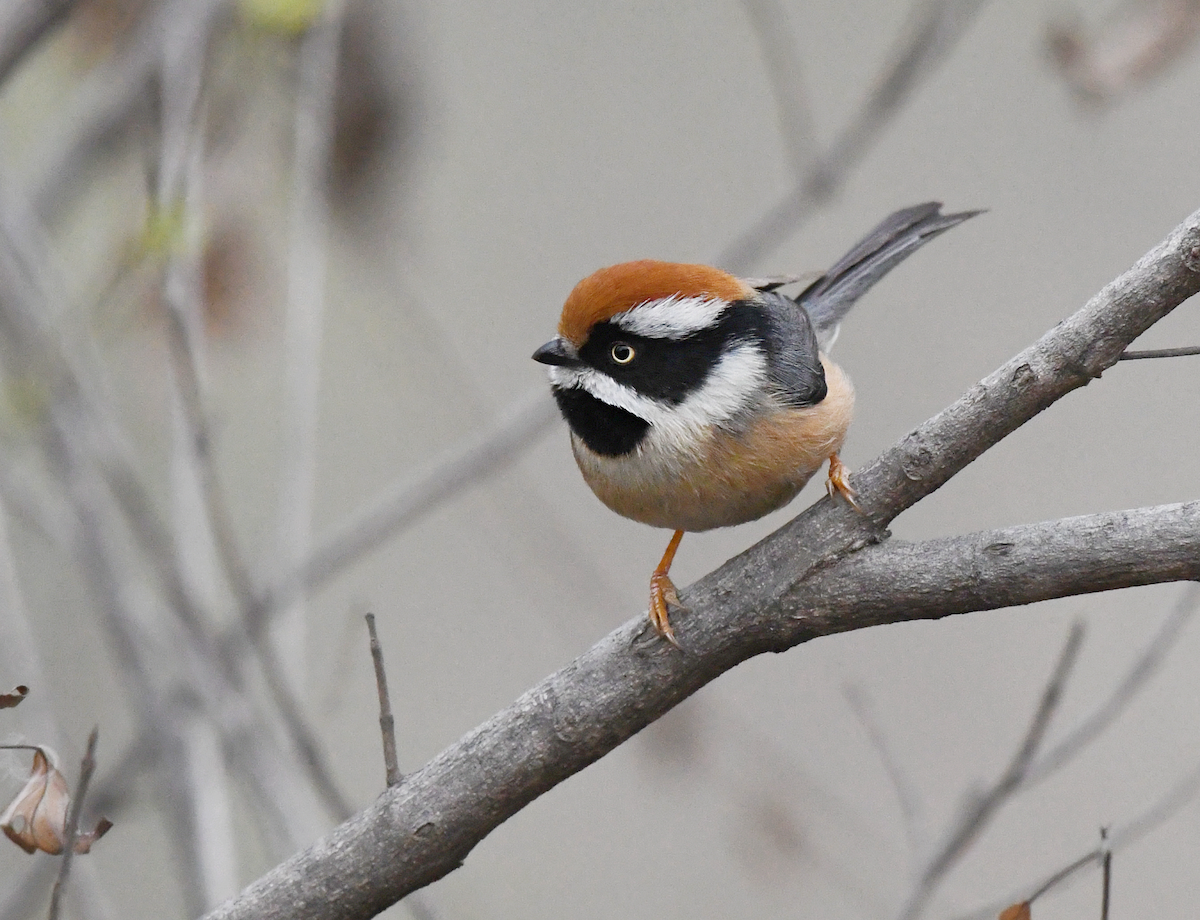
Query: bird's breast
(730, 475)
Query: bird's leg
(662, 592)
(839, 481)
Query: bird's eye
(622, 353)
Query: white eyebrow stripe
(674, 317)
(731, 386)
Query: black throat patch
(607, 430)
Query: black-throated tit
(697, 399)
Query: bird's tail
(828, 299)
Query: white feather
(731, 387)
(672, 317)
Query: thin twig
(934, 35)
(185, 364)
(1122, 837)
(1062, 875)
(781, 62)
(1159, 353)
(409, 499)
(304, 316)
(980, 808)
(1106, 883)
(86, 768)
(301, 732)
(906, 797)
(105, 105)
(207, 839)
(387, 724)
(281, 691)
(24, 25)
(1143, 668)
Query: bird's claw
(839, 481)
(663, 596)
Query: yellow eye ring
(621, 353)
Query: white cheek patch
(731, 387)
(673, 317)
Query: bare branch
(426, 826)
(1106, 884)
(1122, 695)
(1062, 875)
(387, 724)
(906, 797)
(408, 500)
(85, 777)
(312, 754)
(305, 316)
(106, 104)
(980, 808)
(185, 364)
(24, 25)
(789, 588)
(1159, 353)
(782, 65)
(1125, 835)
(940, 26)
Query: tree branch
(818, 574)
(85, 776)
(23, 26)
(980, 808)
(935, 31)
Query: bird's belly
(734, 478)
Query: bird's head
(656, 348)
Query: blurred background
(270, 276)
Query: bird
(697, 399)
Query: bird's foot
(839, 481)
(662, 596)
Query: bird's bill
(557, 352)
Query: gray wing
(828, 299)
(793, 353)
(778, 281)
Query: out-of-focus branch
(781, 62)
(106, 104)
(87, 768)
(1145, 666)
(409, 499)
(304, 318)
(978, 811)
(906, 796)
(939, 26)
(817, 575)
(1119, 838)
(205, 840)
(1035, 769)
(219, 521)
(24, 24)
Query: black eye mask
(670, 370)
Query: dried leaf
(1017, 912)
(9, 700)
(37, 818)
